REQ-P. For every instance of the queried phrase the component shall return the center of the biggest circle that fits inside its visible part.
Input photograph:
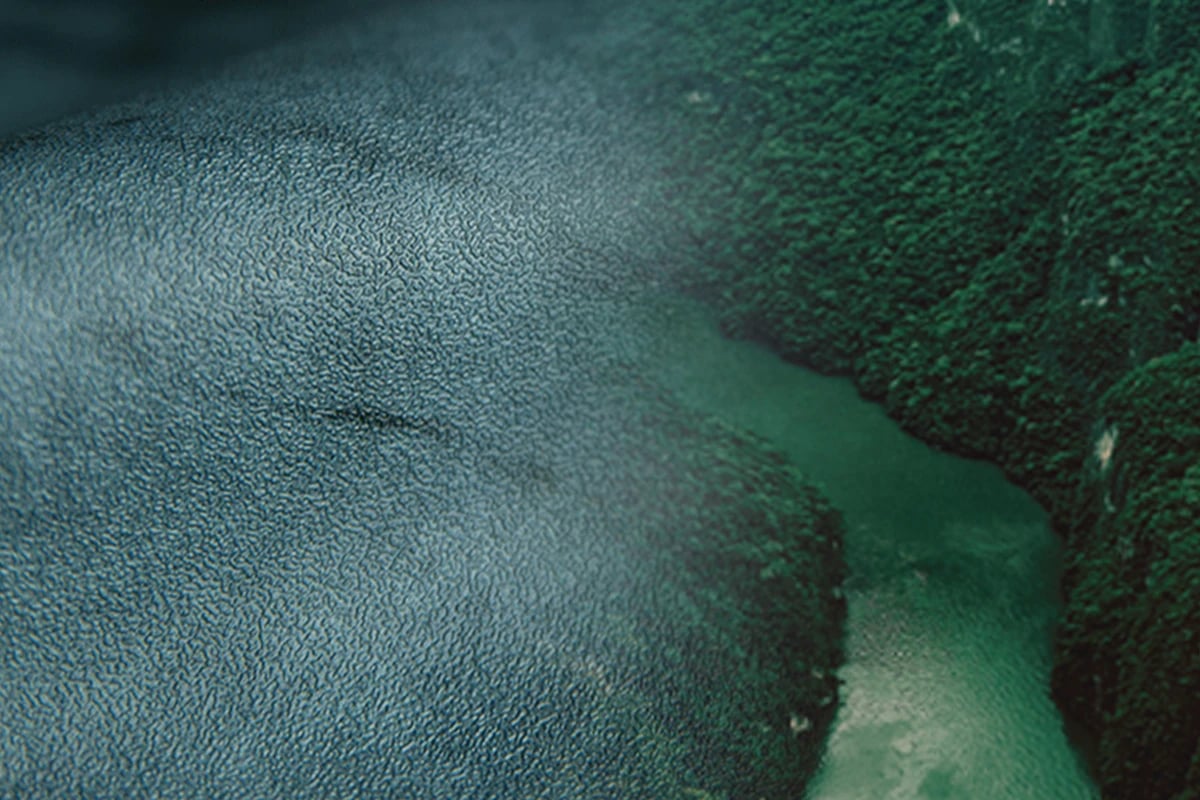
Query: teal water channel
(952, 589)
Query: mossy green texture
(759, 638)
(988, 214)
(1131, 641)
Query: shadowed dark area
(63, 56)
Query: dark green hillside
(1130, 646)
(757, 553)
(989, 214)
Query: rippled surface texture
(322, 474)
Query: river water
(952, 595)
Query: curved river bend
(952, 594)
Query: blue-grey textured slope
(321, 474)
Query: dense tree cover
(988, 214)
(758, 556)
(1131, 641)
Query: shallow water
(952, 590)
(951, 599)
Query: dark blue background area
(60, 56)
